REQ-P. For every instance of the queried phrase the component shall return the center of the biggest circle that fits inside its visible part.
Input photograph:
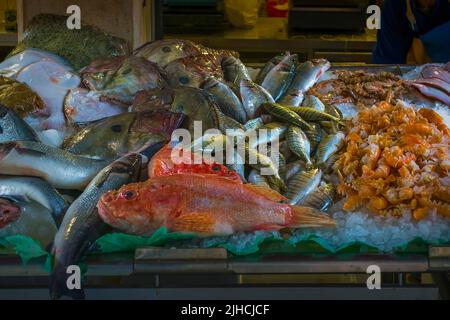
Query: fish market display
(82, 225)
(234, 70)
(119, 79)
(36, 190)
(253, 97)
(60, 168)
(396, 161)
(28, 218)
(18, 97)
(433, 82)
(129, 132)
(278, 80)
(78, 46)
(202, 204)
(13, 128)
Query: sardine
(253, 96)
(13, 128)
(269, 66)
(284, 113)
(280, 77)
(313, 102)
(60, 168)
(234, 70)
(302, 184)
(329, 146)
(299, 144)
(307, 75)
(82, 225)
(34, 189)
(228, 102)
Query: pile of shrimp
(396, 160)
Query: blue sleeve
(395, 36)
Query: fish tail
(305, 217)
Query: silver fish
(13, 128)
(313, 102)
(307, 75)
(299, 144)
(280, 77)
(322, 198)
(34, 189)
(82, 225)
(255, 178)
(329, 146)
(254, 124)
(269, 66)
(61, 169)
(302, 184)
(228, 102)
(234, 70)
(253, 96)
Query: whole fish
(185, 72)
(435, 83)
(302, 184)
(329, 146)
(234, 70)
(34, 189)
(205, 205)
(307, 75)
(286, 114)
(299, 144)
(51, 81)
(315, 135)
(280, 77)
(313, 102)
(253, 96)
(269, 66)
(26, 218)
(267, 134)
(116, 136)
(311, 114)
(82, 225)
(119, 79)
(433, 71)
(60, 168)
(82, 106)
(254, 124)
(13, 128)
(321, 199)
(228, 102)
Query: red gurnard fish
(162, 165)
(205, 205)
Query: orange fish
(161, 164)
(205, 205)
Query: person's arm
(395, 37)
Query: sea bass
(205, 205)
(13, 128)
(307, 75)
(114, 137)
(82, 226)
(60, 168)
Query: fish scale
(299, 144)
(302, 184)
(311, 114)
(286, 115)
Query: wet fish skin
(311, 114)
(272, 131)
(293, 168)
(253, 96)
(321, 199)
(286, 114)
(255, 178)
(228, 102)
(82, 225)
(234, 70)
(315, 135)
(13, 128)
(269, 66)
(313, 102)
(432, 92)
(184, 72)
(60, 168)
(307, 75)
(329, 146)
(254, 124)
(299, 144)
(302, 184)
(280, 77)
(34, 189)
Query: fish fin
(266, 192)
(194, 222)
(305, 217)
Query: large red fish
(205, 205)
(162, 164)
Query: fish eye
(166, 49)
(216, 168)
(116, 128)
(129, 195)
(184, 80)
